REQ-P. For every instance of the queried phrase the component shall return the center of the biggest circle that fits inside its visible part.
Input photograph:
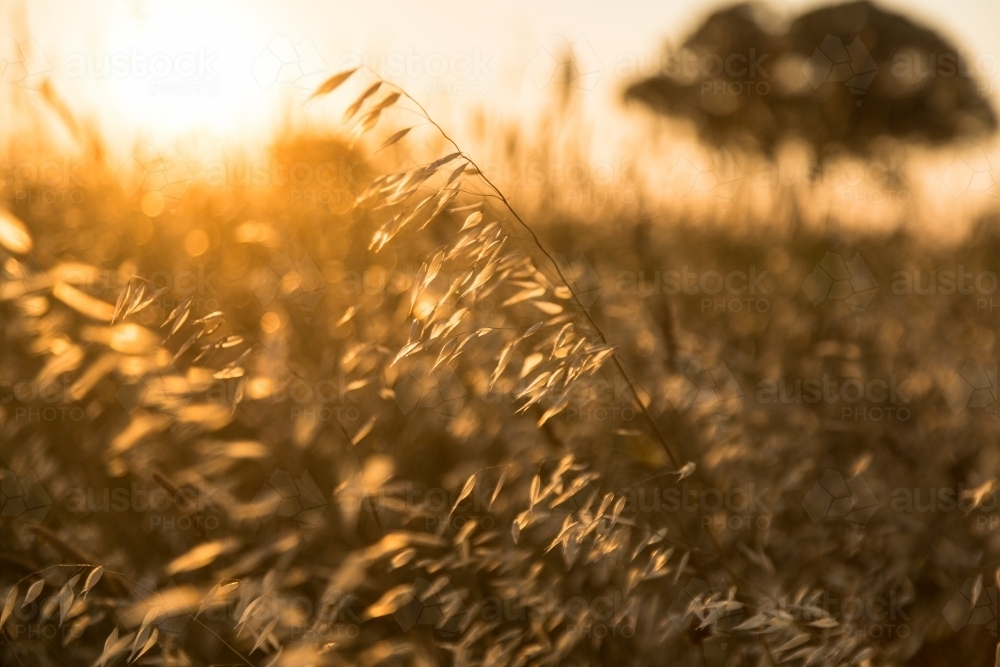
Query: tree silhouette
(838, 77)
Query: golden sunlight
(646, 333)
(182, 66)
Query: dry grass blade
(8, 605)
(357, 104)
(124, 297)
(185, 347)
(112, 646)
(265, 634)
(13, 234)
(199, 556)
(395, 138)
(181, 307)
(179, 322)
(470, 484)
(83, 303)
(367, 123)
(149, 301)
(365, 429)
(474, 218)
(390, 602)
(34, 590)
(92, 578)
(333, 82)
(496, 489)
(384, 103)
(150, 643)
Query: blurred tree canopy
(838, 77)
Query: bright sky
(233, 66)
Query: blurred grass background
(272, 239)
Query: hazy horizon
(220, 71)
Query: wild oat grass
(396, 425)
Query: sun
(179, 66)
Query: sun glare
(182, 66)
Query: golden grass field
(371, 397)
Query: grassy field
(340, 404)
